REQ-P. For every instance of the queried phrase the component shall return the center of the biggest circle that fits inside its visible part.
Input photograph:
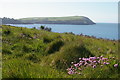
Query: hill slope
(32, 53)
(78, 20)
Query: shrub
(47, 39)
(26, 48)
(69, 52)
(32, 57)
(54, 46)
(6, 51)
(48, 29)
(40, 48)
(45, 28)
(7, 32)
(42, 27)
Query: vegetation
(0, 52)
(77, 20)
(32, 53)
(45, 28)
(6, 20)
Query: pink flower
(104, 63)
(104, 58)
(107, 63)
(76, 65)
(80, 58)
(94, 61)
(70, 72)
(94, 66)
(115, 65)
(93, 58)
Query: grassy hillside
(58, 20)
(32, 53)
(0, 52)
(54, 18)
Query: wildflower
(107, 63)
(104, 58)
(69, 69)
(70, 72)
(79, 73)
(99, 61)
(101, 65)
(71, 62)
(104, 62)
(93, 58)
(80, 58)
(94, 66)
(80, 69)
(76, 65)
(115, 65)
(94, 61)
(98, 57)
(98, 48)
(113, 57)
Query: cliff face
(77, 20)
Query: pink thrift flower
(104, 63)
(70, 72)
(107, 63)
(115, 65)
(76, 65)
(94, 66)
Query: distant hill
(77, 20)
(10, 21)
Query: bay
(99, 30)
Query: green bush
(68, 53)
(26, 48)
(6, 51)
(7, 32)
(32, 57)
(47, 39)
(54, 46)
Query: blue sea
(99, 30)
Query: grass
(54, 18)
(32, 53)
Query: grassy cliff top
(68, 20)
(55, 18)
(32, 53)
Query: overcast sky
(98, 10)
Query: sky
(104, 11)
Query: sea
(98, 30)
